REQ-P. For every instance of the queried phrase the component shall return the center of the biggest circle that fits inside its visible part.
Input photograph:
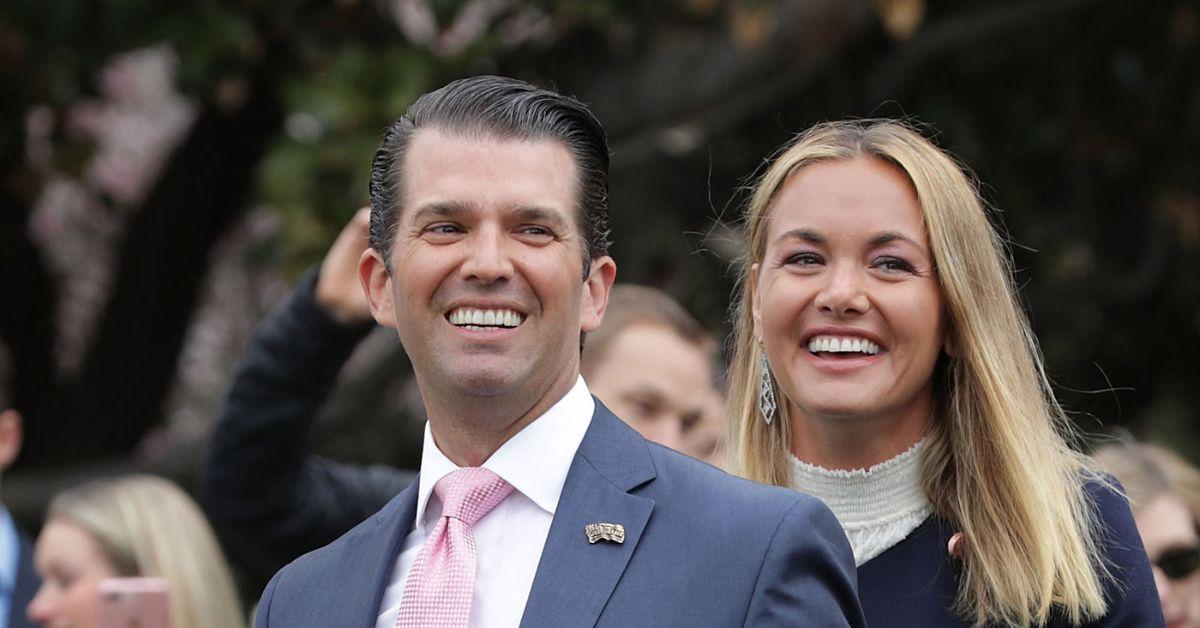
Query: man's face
(485, 288)
(654, 379)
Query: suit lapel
(366, 562)
(575, 578)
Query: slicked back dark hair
(503, 108)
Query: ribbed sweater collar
(877, 506)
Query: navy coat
(913, 584)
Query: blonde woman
(1164, 491)
(882, 364)
(133, 526)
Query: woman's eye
(893, 264)
(804, 259)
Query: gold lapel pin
(611, 532)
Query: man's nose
(844, 292)
(488, 258)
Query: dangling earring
(766, 392)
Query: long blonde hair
(997, 465)
(147, 526)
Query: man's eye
(443, 229)
(534, 230)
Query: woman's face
(1166, 524)
(846, 300)
(71, 565)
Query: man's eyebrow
(537, 214)
(439, 209)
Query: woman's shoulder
(1130, 589)
(1113, 516)
(1105, 492)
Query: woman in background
(883, 365)
(1165, 493)
(132, 526)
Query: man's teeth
(466, 316)
(842, 344)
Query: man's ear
(596, 289)
(377, 285)
(10, 437)
(755, 303)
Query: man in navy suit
(489, 236)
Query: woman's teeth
(841, 344)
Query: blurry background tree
(166, 172)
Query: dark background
(168, 169)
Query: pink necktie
(441, 581)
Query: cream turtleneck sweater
(878, 507)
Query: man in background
(651, 363)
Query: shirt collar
(552, 440)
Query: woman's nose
(844, 293)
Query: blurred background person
(706, 440)
(651, 363)
(882, 364)
(272, 499)
(1164, 491)
(18, 580)
(125, 527)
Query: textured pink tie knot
(469, 494)
(441, 581)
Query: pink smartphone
(135, 603)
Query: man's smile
(478, 318)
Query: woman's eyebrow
(808, 235)
(892, 236)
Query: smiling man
(535, 505)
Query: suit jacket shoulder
(342, 583)
(702, 548)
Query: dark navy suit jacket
(702, 548)
(913, 584)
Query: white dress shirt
(509, 539)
